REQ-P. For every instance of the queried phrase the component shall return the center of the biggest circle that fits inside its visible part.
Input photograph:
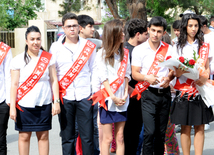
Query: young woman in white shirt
(117, 103)
(36, 104)
(192, 112)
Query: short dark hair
(176, 24)
(158, 21)
(69, 16)
(203, 19)
(84, 20)
(211, 19)
(136, 25)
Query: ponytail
(30, 29)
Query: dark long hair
(30, 29)
(183, 31)
(112, 34)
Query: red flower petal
(191, 62)
(181, 59)
(168, 57)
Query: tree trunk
(112, 4)
(137, 9)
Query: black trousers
(4, 116)
(155, 110)
(82, 110)
(133, 126)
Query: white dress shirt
(40, 94)
(143, 56)
(211, 28)
(209, 38)
(64, 58)
(5, 78)
(107, 72)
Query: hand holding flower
(180, 70)
(203, 76)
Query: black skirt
(190, 112)
(34, 119)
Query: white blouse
(41, 93)
(106, 71)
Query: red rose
(181, 59)
(168, 57)
(191, 62)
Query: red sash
(34, 77)
(102, 94)
(4, 48)
(189, 86)
(75, 69)
(160, 55)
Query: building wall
(51, 10)
(20, 36)
(19, 41)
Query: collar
(63, 37)
(127, 43)
(211, 27)
(148, 46)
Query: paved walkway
(55, 141)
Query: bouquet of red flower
(188, 65)
(194, 68)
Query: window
(8, 38)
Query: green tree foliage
(72, 6)
(23, 10)
(3, 15)
(123, 10)
(165, 8)
(160, 7)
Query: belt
(159, 91)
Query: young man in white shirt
(5, 59)
(86, 31)
(66, 52)
(137, 32)
(176, 28)
(156, 99)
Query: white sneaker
(206, 127)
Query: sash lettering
(34, 77)
(4, 48)
(102, 94)
(160, 55)
(75, 69)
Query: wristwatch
(57, 101)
